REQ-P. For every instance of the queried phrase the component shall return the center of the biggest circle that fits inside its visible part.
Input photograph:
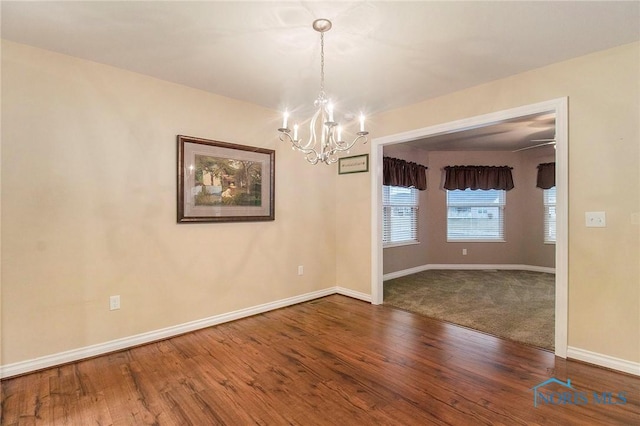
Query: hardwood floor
(330, 361)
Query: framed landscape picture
(224, 182)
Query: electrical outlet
(464, 252)
(595, 219)
(114, 303)
(300, 270)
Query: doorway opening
(558, 107)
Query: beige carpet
(516, 305)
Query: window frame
(546, 215)
(502, 238)
(387, 218)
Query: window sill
(401, 244)
(476, 241)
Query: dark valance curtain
(478, 177)
(398, 172)
(546, 175)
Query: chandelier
(325, 134)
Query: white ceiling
(508, 135)
(378, 56)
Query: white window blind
(399, 215)
(475, 215)
(549, 196)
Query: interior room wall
(534, 250)
(507, 252)
(415, 255)
(89, 208)
(524, 218)
(604, 106)
(353, 240)
(88, 193)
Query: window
(399, 215)
(549, 197)
(475, 215)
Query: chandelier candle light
(325, 146)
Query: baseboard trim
(405, 272)
(48, 361)
(604, 360)
(354, 294)
(467, 266)
(23, 367)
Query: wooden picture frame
(224, 182)
(353, 164)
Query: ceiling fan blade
(551, 142)
(543, 140)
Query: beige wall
(604, 113)
(89, 208)
(353, 222)
(88, 202)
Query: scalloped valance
(397, 172)
(546, 175)
(478, 177)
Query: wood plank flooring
(331, 361)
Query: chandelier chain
(322, 94)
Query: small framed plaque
(354, 164)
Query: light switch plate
(595, 219)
